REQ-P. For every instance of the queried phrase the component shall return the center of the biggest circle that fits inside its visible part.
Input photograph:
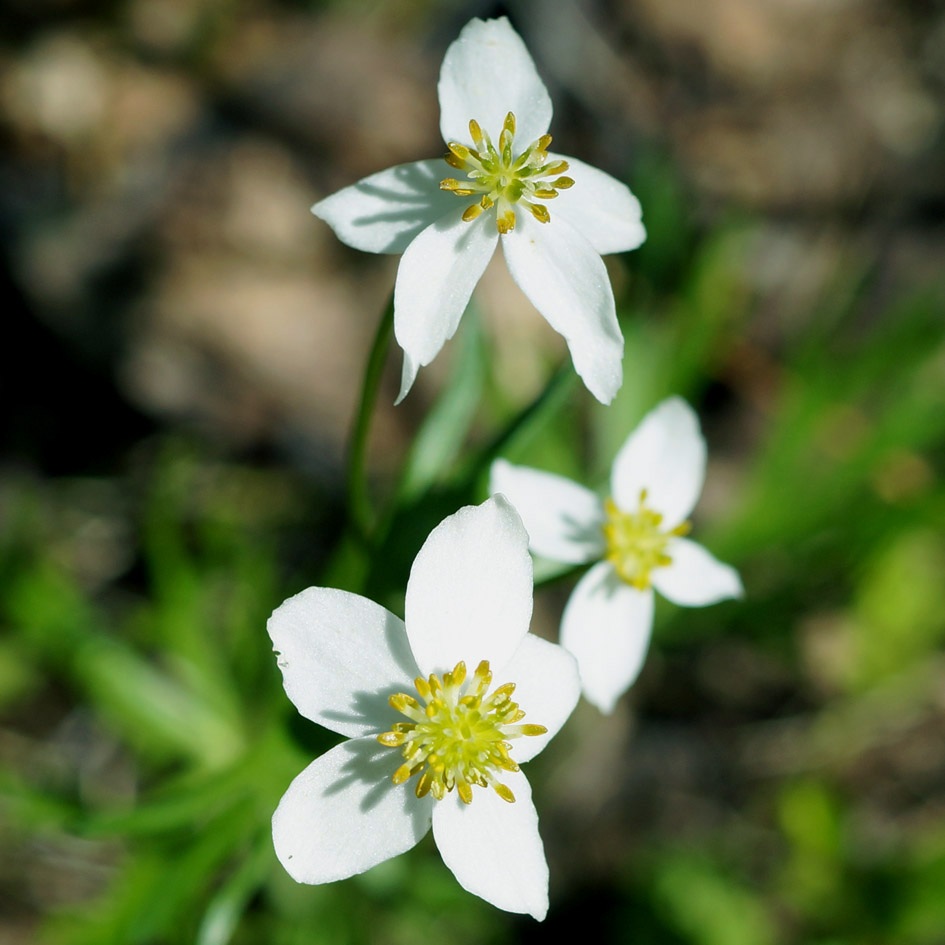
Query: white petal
(562, 518)
(547, 688)
(435, 279)
(695, 577)
(565, 279)
(606, 625)
(343, 814)
(487, 72)
(493, 847)
(600, 207)
(384, 212)
(341, 656)
(665, 455)
(408, 375)
(469, 596)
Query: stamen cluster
(635, 543)
(459, 735)
(502, 179)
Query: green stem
(554, 394)
(360, 512)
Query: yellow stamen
(506, 222)
(500, 178)
(475, 132)
(504, 793)
(462, 737)
(636, 544)
(559, 167)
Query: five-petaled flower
(654, 484)
(433, 708)
(554, 215)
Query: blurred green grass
(833, 508)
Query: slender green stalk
(552, 397)
(360, 512)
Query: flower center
(635, 543)
(500, 178)
(458, 735)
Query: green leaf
(444, 431)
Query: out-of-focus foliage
(776, 777)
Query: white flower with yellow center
(440, 710)
(638, 532)
(554, 215)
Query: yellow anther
(504, 792)
(458, 740)
(498, 177)
(401, 701)
(424, 783)
(636, 544)
(475, 132)
(506, 222)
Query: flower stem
(360, 512)
(554, 395)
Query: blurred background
(182, 360)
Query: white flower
(494, 117)
(654, 484)
(429, 740)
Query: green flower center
(501, 178)
(636, 544)
(458, 737)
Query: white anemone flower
(433, 708)
(638, 532)
(555, 215)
